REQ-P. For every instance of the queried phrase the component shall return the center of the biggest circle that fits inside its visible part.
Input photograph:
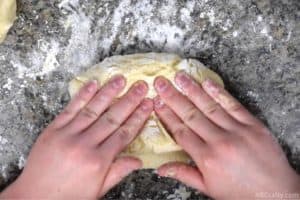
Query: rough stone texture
(253, 45)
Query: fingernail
(158, 103)
(183, 79)
(140, 88)
(170, 173)
(118, 82)
(210, 85)
(161, 84)
(92, 86)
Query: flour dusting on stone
(254, 45)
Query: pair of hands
(76, 155)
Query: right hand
(236, 156)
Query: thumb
(119, 169)
(189, 175)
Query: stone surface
(253, 45)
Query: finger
(189, 175)
(117, 113)
(127, 132)
(205, 103)
(84, 95)
(97, 105)
(229, 103)
(119, 169)
(185, 137)
(186, 110)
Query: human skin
(235, 155)
(75, 157)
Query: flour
(253, 95)
(259, 18)
(82, 45)
(235, 33)
(3, 140)
(67, 3)
(90, 33)
(42, 61)
(180, 193)
(82, 49)
(8, 84)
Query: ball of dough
(7, 16)
(153, 146)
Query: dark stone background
(253, 45)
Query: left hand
(75, 156)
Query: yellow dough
(153, 146)
(7, 16)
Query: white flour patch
(168, 10)
(66, 3)
(259, 18)
(8, 84)
(227, 25)
(145, 28)
(82, 46)
(253, 95)
(41, 61)
(4, 169)
(21, 162)
(235, 33)
(180, 193)
(3, 140)
(185, 14)
(116, 21)
(265, 32)
(50, 63)
(211, 16)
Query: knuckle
(211, 108)
(93, 163)
(256, 135)
(110, 119)
(190, 114)
(105, 95)
(132, 98)
(125, 134)
(102, 98)
(181, 132)
(226, 146)
(137, 118)
(234, 106)
(72, 151)
(89, 113)
(209, 159)
(76, 154)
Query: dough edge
(8, 10)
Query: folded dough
(7, 16)
(153, 146)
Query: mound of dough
(153, 146)
(7, 16)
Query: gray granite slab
(253, 44)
